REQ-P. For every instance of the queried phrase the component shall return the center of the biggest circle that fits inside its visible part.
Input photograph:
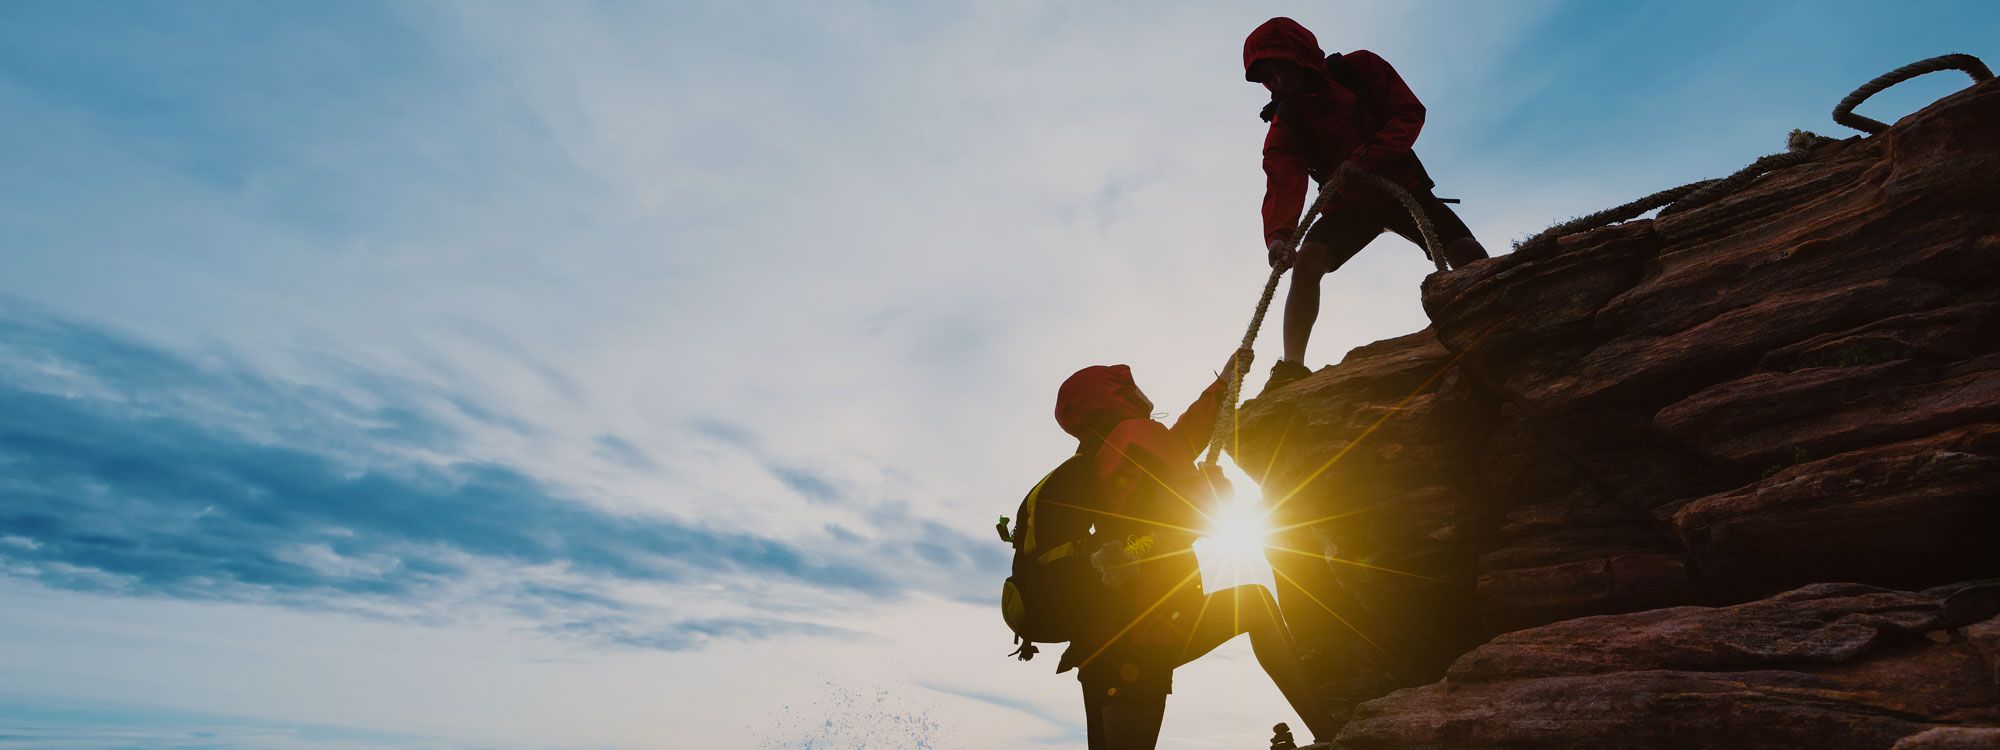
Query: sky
(650, 375)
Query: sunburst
(1240, 534)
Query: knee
(1311, 262)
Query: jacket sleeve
(1284, 182)
(1402, 115)
(1142, 458)
(1197, 424)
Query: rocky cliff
(1725, 478)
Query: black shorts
(1345, 232)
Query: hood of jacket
(1282, 39)
(1094, 399)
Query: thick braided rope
(1799, 148)
(1225, 418)
(1432, 246)
(1611, 215)
(1843, 112)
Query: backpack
(1044, 600)
(1343, 74)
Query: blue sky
(649, 374)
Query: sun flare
(1231, 552)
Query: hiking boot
(1281, 738)
(1282, 374)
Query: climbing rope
(1843, 112)
(1225, 418)
(1799, 148)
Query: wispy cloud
(131, 469)
(30, 722)
(1069, 731)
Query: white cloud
(321, 558)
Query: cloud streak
(125, 473)
(33, 723)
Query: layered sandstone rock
(1782, 409)
(1828, 665)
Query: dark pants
(1125, 693)
(1134, 720)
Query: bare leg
(1252, 609)
(1271, 642)
(1302, 302)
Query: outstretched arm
(1198, 422)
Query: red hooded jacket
(1105, 410)
(1331, 124)
(1146, 483)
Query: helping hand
(1281, 257)
(1217, 483)
(1239, 362)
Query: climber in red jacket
(1329, 114)
(1150, 614)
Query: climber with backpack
(1104, 561)
(1331, 114)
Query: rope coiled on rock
(1843, 112)
(1799, 148)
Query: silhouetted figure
(1145, 613)
(1330, 113)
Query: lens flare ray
(1150, 475)
(1329, 610)
(1121, 516)
(1136, 620)
(1392, 411)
